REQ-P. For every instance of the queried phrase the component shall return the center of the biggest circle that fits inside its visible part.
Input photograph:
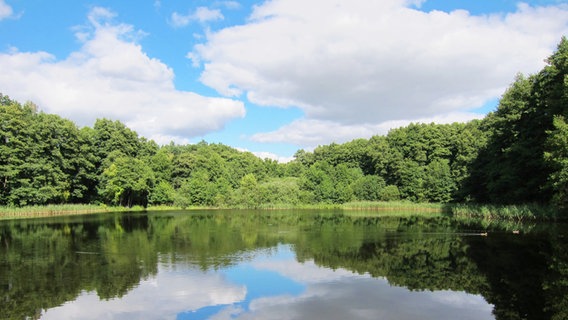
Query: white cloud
(233, 5)
(267, 155)
(201, 14)
(309, 133)
(272, 156)
(5, 10)
(353, 65)
(111, 76)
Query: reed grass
(524, 212)
(361, 205)
(59, 210)
(394, 206)
(519, 213)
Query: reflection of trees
(414, 253)
(210, 240)
(43, 265)
(524, 277)
(527, 275)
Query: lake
(287, 264)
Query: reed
(59, 210)
(524, 212)
(518, 213)
(393, 206)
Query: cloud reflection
(171, 291)
(342, 294)
(273, 285)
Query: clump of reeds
(8, 212)
(394, 206)
(524, 212)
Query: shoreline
(459, 211)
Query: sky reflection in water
(272, 285)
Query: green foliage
(488, 212)
(368, 187)
(126, 181)
(115, 136)
(515, 155)
(390, 193)
(281, 191)
(40, 157)
(162, 193)
(557, 157)
(512, 168)
(248, 195)
(330, 184)
(438, 182)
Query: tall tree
(126, 181)
(15, 139)
(511, 168)
(557, 157)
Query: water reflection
(279, 265)
(273, 285)
(172, 290)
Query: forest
(517, 154)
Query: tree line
(516, 154)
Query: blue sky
(274, 76)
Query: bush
(390, 193)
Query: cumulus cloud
(111, 76)
(5, 10)
(353, 65)
(267, 155)
(272, 156)
(310, 133)
(201, 14)
(233, 5)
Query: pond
(280, 265)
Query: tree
(14, 141)
(410, 180)
(248, 195)
(162, 193)
(438, 183)
(557, 157)
(368, 187)
(317, 179)
(511, 168)
(109, 136)
(390, 193)
(126, 181)
(281, 191)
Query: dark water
(280, 265)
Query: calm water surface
(280, 265)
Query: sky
(271, 77)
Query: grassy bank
(363, 205)
(525, 212)
(58, 210)
(518, 213)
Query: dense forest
(517, 154)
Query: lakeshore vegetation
(515, 156)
